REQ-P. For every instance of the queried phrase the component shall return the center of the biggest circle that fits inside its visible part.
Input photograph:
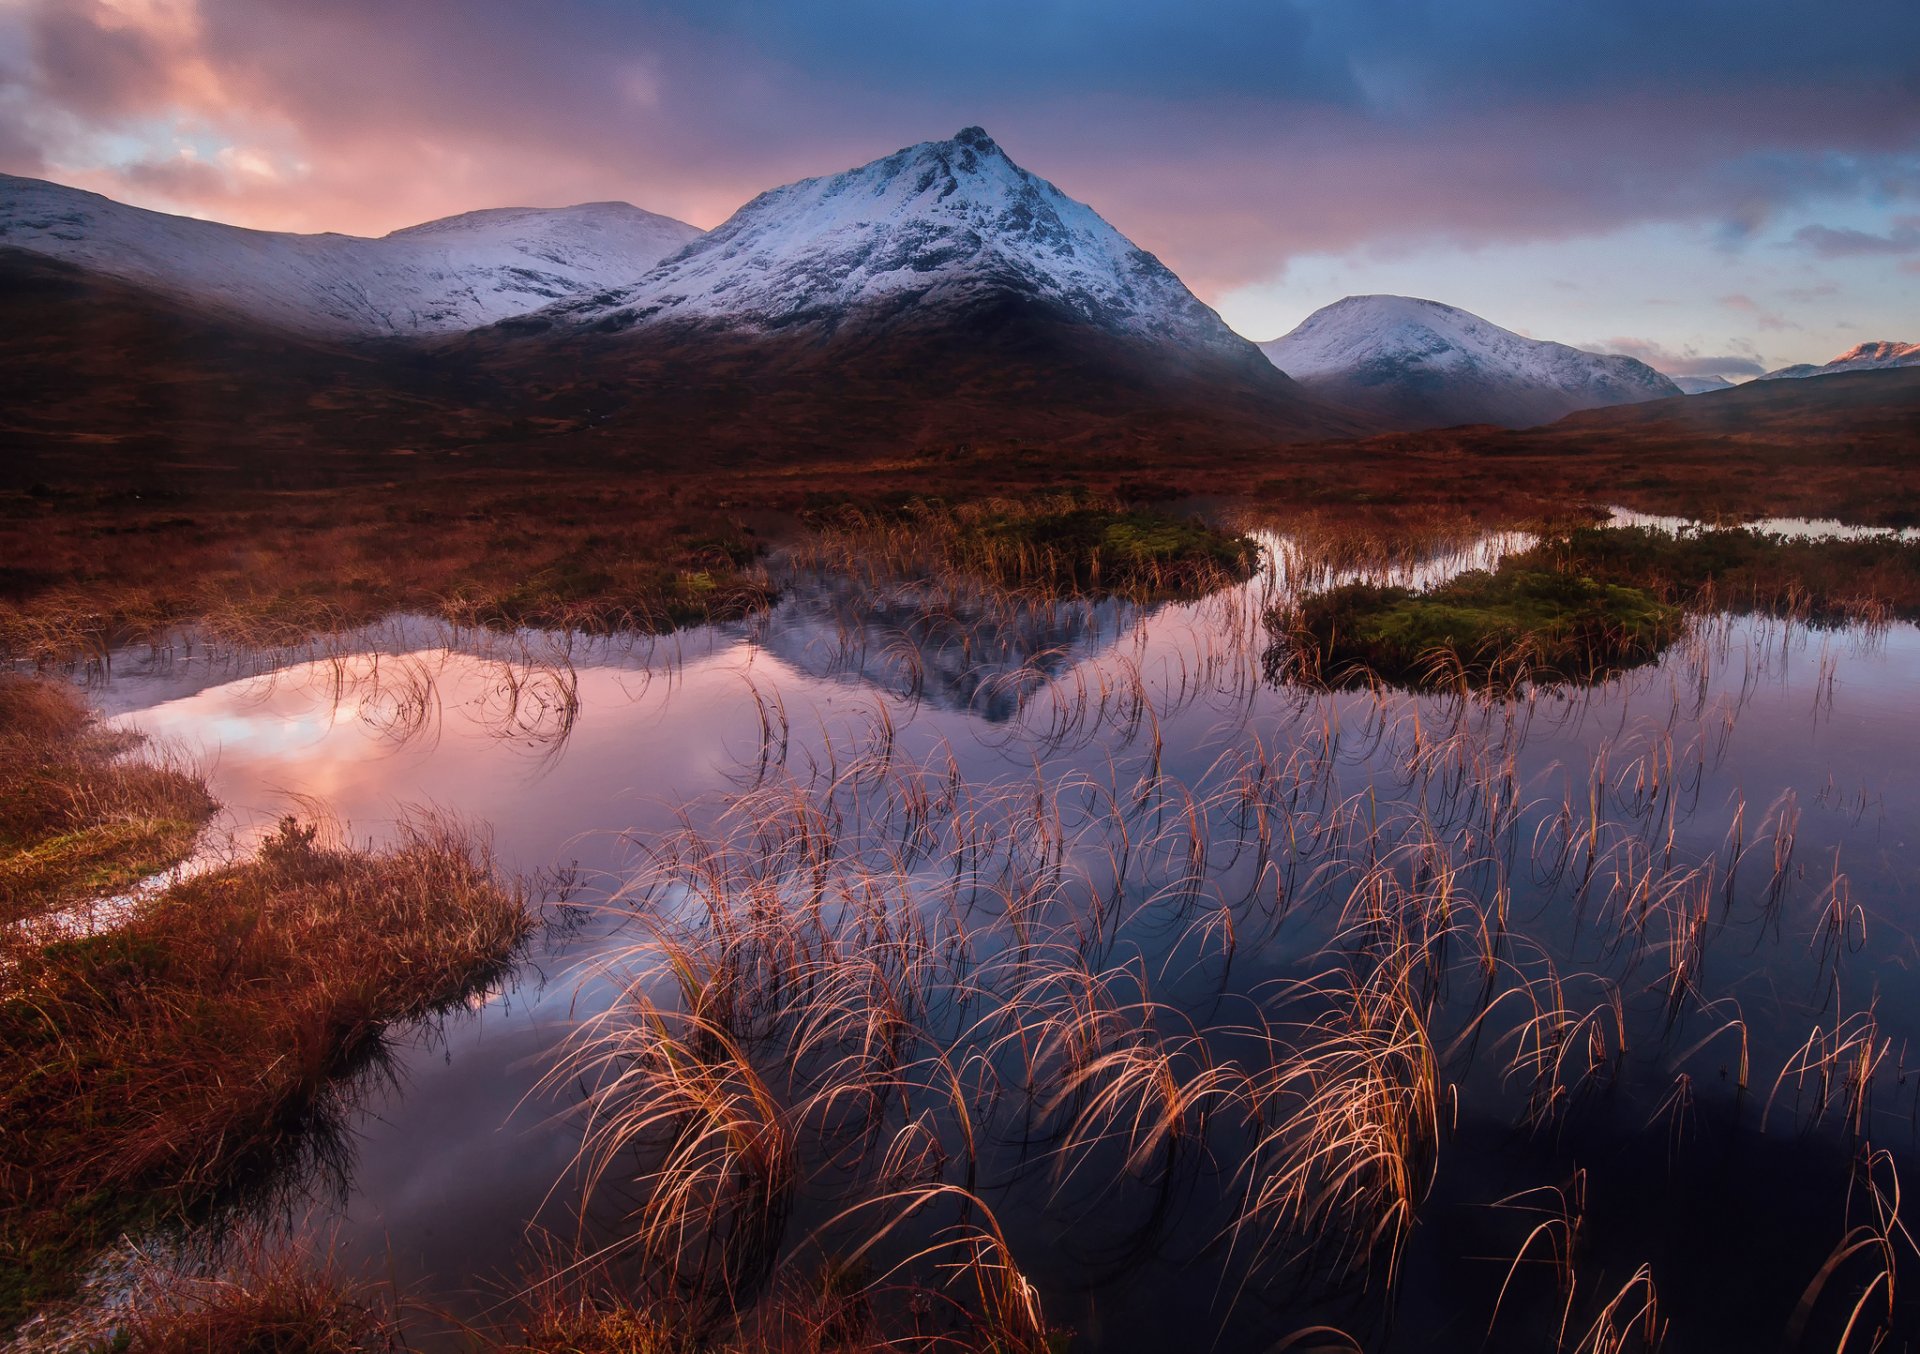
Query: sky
(1716, 186)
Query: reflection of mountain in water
(981, 650)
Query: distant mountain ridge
(1874, 356)
(940, 297)
(439, 277)
(1701, 385)
(1416, 363)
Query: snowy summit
(929, 229)
(1423, 364)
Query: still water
(1602, 902)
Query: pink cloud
(363, 117)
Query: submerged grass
(144, 1069)
(79, 818)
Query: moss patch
(1514, 624)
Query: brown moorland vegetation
(104, 539)
(79, 818)
(145, 1069)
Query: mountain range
(941, 297)
(440, 277)
(1877, 356)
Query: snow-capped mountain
(939, 296)
(441, 277)
(1862, 357)
(1421, 364)
(1701, 385)
(935, 227)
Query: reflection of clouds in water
(458, 1159)
(472, 719)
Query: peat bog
(944, 953)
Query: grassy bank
(1748, 570)
(79, 818)
(83, 569)
(281, 1302)
(1589, 601)
(1052, 544)
(143, 1071)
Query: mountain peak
(1429, 364)
(930, 228)
(1879, 350)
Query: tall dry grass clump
(1353, 1111)
(271, 1302)
(79, 818)
(144, 1068)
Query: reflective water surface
(1649, 947)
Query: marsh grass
(268, 1301)
(80, 818)
(148, 1067)
(1749, 569)
(877, 988)
(873, 989)
(274, 1299)
(1582, 602)
(1053, 545)
(256, 568)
